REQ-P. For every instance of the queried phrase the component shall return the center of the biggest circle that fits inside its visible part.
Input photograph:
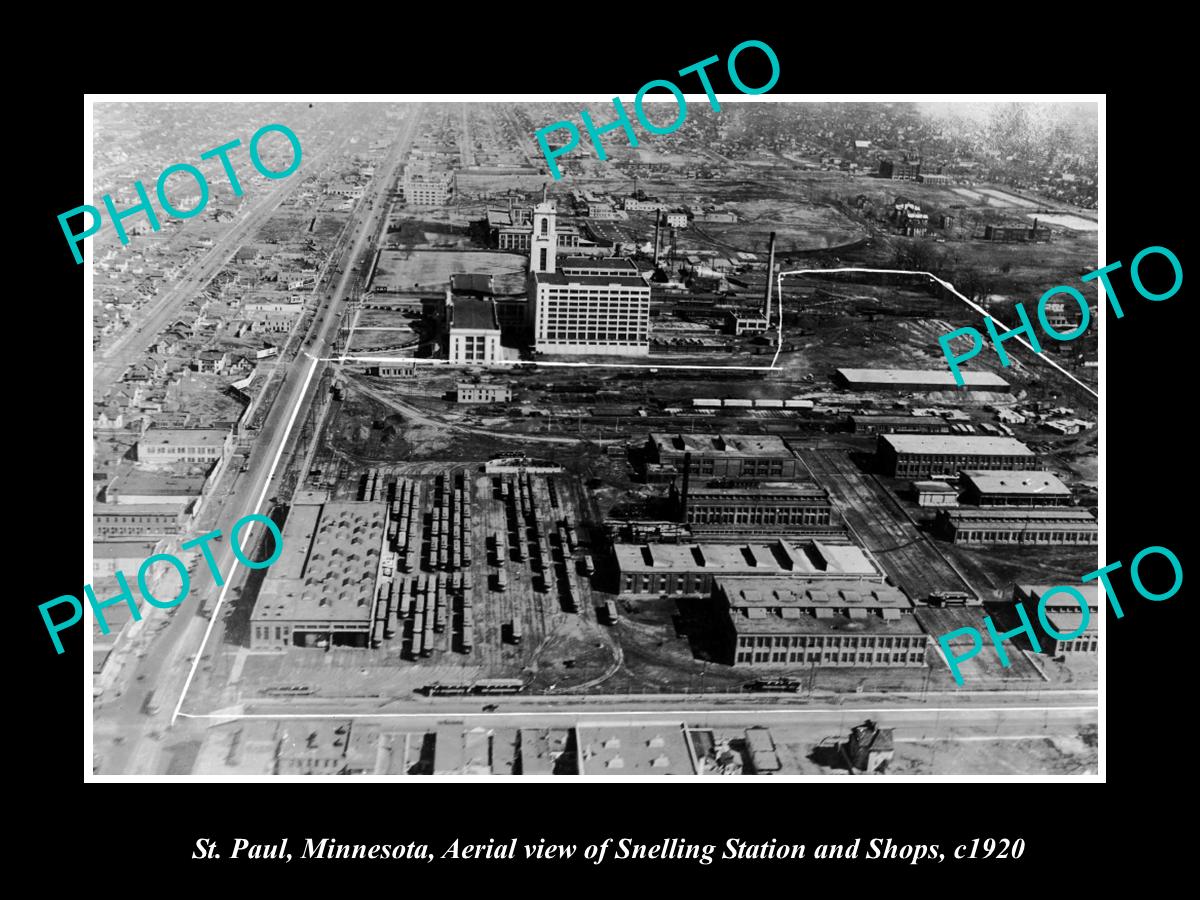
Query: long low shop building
(1006, 487)
(783, 507)
(1056, 526)
(899, 425)
(918, 380)
(688, 570)
(822, 622)
(926, 456)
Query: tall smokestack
(770, 277)
(683, 494)
(657, 223)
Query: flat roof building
(899, 425)
(111, 521)
(167, 446)
(1014, 487)
(474, 331)
(655, 750)
(924, 456)
(1054, 526)
(591, 314)
(466, 392)
(548, 751)
(146, 486)
(827, 622)
(918, 380)
(782, 507)
(1064, 614)
(322, 589)
(688, 570)
(935, 493)
(716, 456)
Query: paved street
(171, 656)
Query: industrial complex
(575, 445)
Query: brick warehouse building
(783, 507)
(928, 455)
(715, 456)
(826, 623)
(1055, 526)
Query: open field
(430, 270)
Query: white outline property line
(212, 619)
(526, 362)
(672, 713)
(947, 285)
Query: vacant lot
(430, 270)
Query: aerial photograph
(412, 459)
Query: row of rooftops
(720, 444)
(329, 563)
(780, 556)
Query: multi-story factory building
(782, 507)
(688, 570)
(423, 186)
(1056, 526)
(825, 623)
(720, 456)
(167, 446)
(926, 456)
(585, 306)
(113, 522)
(322, 589)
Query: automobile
(490, 707)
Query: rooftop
(1017, 481)
(191, 437)
(329, 563)
(138, 509)
(1090, 592)
(1002, 514)
(815, 558)
(149, 483)
(558, 278)
(799, 593)
(606, 264)
(720, 444)
(658, 749)
(934, 487)
(956, 444)
(471, 283)
(541, 748)
(479, 315)
(762, 490)
(936, 379)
